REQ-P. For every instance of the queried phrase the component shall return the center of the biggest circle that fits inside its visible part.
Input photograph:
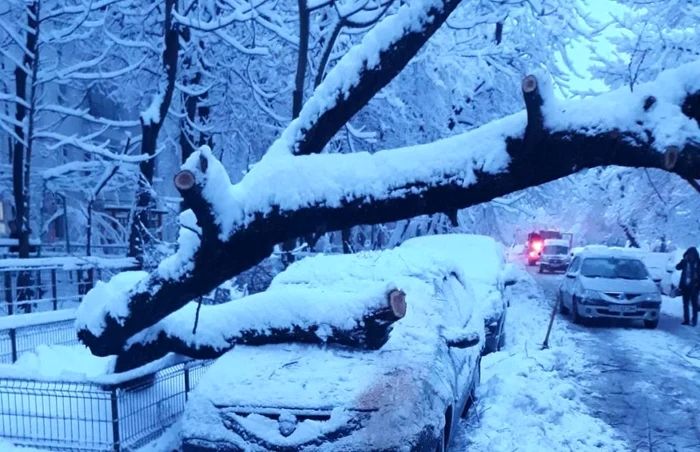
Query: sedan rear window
(614, 268)
(555, 249)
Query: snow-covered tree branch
(657, 126)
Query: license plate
(625, 308)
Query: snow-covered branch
(657, 126)
(361, 73)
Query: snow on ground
(9, 447)
(528, 399)
(61, 361)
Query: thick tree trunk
(139, 234)
(534, 157)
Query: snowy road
(643, 383)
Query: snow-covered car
(671, 278)
(612, 284)
(554, 256)
(407, 395)
(483, 264)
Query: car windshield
(610, 267)
(555, 249)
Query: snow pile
(107, 300)
(9, 447)
(60, 362)
(528, 397)
(36, 318)
(67, 263)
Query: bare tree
(152, 120)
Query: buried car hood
(304, 376)
(332, 396)
(619, 285)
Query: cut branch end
(529, 84)
(397, 302)
(184, 180)
(670, 157)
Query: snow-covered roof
(480, 258)
(605, 252)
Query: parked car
(407, 395)
(671, 278)
(483, 263)
(554, 255)
(609, 284)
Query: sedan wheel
(575, 317)
(472, 391)
(563, 310)
(651, 324)
(441, 446)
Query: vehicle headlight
(590, 295)
(651, 296)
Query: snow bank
(528, 397)
(36, 318)
(107, 299)
(9, 447)
(59, 362)
(75, 364)
(67, 263)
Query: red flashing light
(537, 246)
(533, 253)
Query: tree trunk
(21, 162)
(139, 235)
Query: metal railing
(50, 285)
(18, 340)
(96, 417)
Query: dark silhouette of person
(690, 284)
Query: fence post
(13, 344)
(54, 291)
(115, 420)
(9, 298)
(187, 382)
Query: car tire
(501, 341)
(651, 324)
(472, 391)
(440, 446)
(576, 318)
(541, 269)
(563, 310)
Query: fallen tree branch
(216, 337)
(338, 191)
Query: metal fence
(93, 417)
(49, 287)
(15, 341)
